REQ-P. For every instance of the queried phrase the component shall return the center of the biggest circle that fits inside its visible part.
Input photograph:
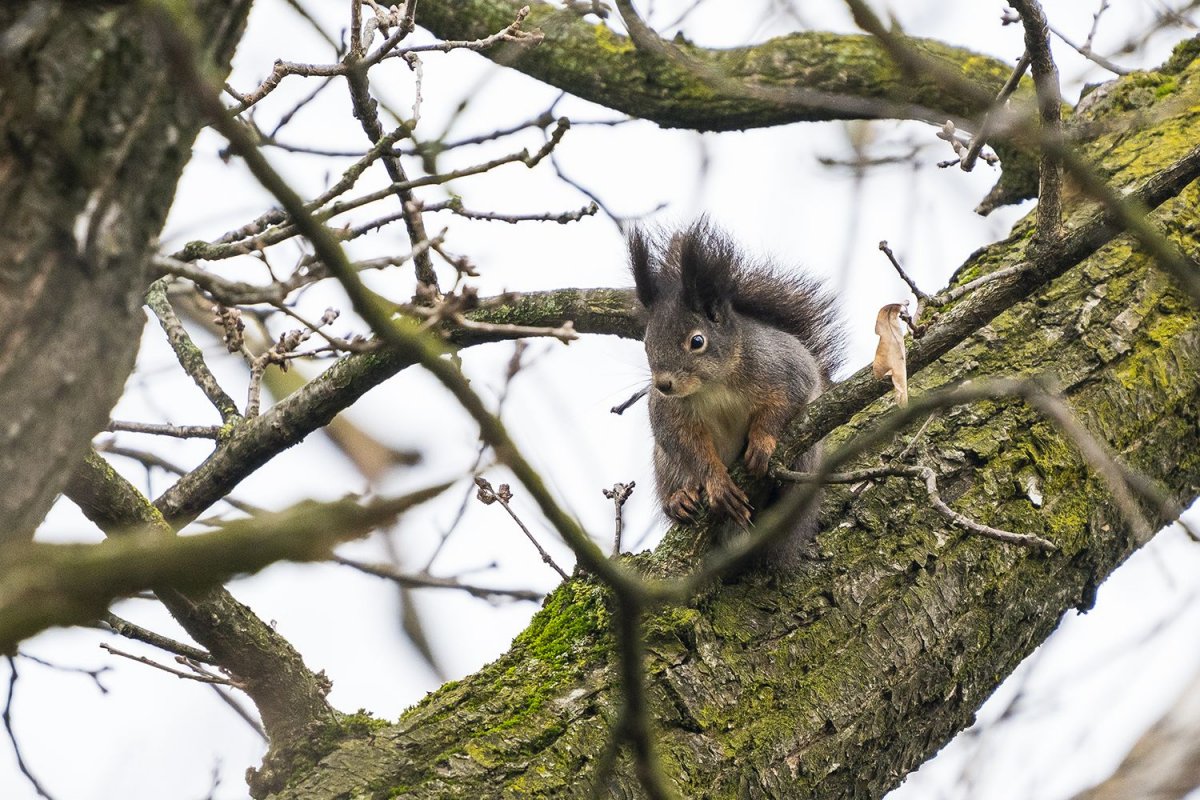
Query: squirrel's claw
(683, 504)
(758, 455)
(727, 499)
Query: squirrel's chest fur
(725, 414)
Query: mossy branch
(45, 585)
(593, 62)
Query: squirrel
(736, 349)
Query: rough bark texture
(837, 681)
(94, 139)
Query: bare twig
(129, 630)
(94, 674)
(247, 716)
(12, 736)
(1085, 49)
(621, 408)
(157, 429)
(565, 333)
(562, 217)
(967, 163)
(195, 675)
(955, 292)
(922, 298)
(619, 493)
(424, 580)
(487, 495)
(927, 475)
(148, 459)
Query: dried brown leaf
(890, 356)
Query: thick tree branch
(593, 62)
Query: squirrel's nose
(664, 385)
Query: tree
(833, 682)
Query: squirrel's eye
(697, 342)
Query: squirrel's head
(692, 339)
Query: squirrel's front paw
(758, 454)
(725, 498)
(683, 504)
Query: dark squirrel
(736, 349)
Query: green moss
(1182, 56)
(569, 620)
(1168, 86)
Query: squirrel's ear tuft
(707, 260)
(640, 260)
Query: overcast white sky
(1083, 696)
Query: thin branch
(929, 477)
(194, 675)
(922, 298)
(252, 237)
(635, 724)
(186, 351)
(1085, 49)
(94, 674)
(57, 584)
(1045, 79)
(12, 736)
(129, 630)
(565, 333)
(955, 292)
(365, 110)
(985, 128)
(175, 431)
(246, 716)
(424, 580)
(562, 217)
(619, 493)
(487, 496)
(148, 459)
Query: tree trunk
(94, 140)
(840, 679)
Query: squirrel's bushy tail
(787, 299)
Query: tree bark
(95, 138)
(838, 680)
